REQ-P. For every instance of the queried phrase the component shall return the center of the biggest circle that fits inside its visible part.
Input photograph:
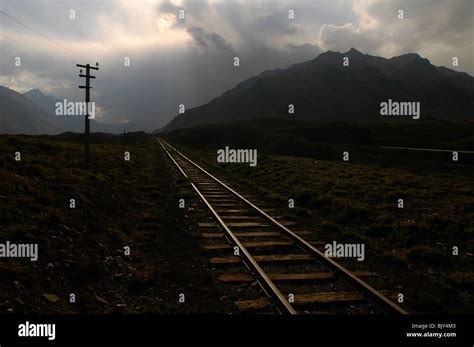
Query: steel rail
(268, 285)
(368, 291)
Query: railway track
(291, 270)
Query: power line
(43, 36)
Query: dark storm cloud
(190, 76)
(207, 40)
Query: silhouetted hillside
(324, 89)
(18, 115)
(281, 133)
(75, 124)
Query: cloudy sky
(189, 60)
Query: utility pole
(87, 87)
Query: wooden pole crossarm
(87, 66)
(86, 76)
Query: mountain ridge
(33, 113)
(349, 93)
(19, 115)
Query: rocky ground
(83, 250)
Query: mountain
(47, 104)
(44, 102)
(18, 115)
(323, 89)
(74, 124)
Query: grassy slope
(327, 141)
(359, 202)
(118, 204)
(130, 203)
(270, 134)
